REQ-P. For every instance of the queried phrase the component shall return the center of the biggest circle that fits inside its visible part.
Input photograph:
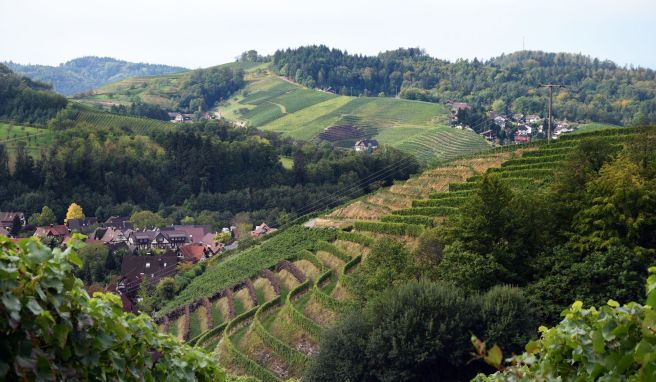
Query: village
(146, 254)
(515, 128)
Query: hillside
(274, 104)
(161, 90)
(265, 311)
(87, 73)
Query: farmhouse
(147, 239)
(193, 252)
(261, 230)
(118, 222)
(366, 145)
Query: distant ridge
(87, 73)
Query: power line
(550, 87)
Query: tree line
(595, 90)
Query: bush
(52, 329)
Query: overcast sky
(201, 33)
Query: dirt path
(282, 107)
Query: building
(158, 239)
(7, 219)
(195, 233)
(533, 118)
(118, 222)
(366, 145)
(193, 252)
(135, 269)
(82, 225)
(4, 232)
(59, 232)
(489, 135)
(261, 230)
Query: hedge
(449, 194)
(309, 256)
(460, 186)
(297, 317)
(427, 211)
(454, 201)
(409, 219)
(529, 160)
(390, 228)
(321, 245)
(355, 237)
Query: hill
(275, 104)
(266, 311)
(87, 73)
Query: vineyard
(136, 125)
(263, 311)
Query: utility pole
(550, 86)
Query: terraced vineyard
(264, 312)
(137, 125)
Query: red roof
(193, 252)
(53, 230)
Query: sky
(202, 33)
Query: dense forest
(210, 171)
(86, 73)
(594, 90)
(25, 100)
(589, 237)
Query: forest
(593, 90)
(27, 101)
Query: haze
(201, 33)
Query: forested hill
(25, 100)
(595, 90)
(86, 73)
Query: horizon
(203, 33)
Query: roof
(122, 222)
(112, 234)
(79, 223)
(9, 216)
(193, 252)
(52, 230)
(195, 233)
(135, 268)
(367, 142)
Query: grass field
(35, 139)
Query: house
(7, 219)
(118, 222)
(500, 121)
(193, 252)
(135, 269)
(489, 135)
(525, 130)
(522, 138)
(159, 239)
(58, 232)
(261, 230)
(81, 225)
(533, 118)
(110, 235)
(366, 145)
(457, 106)
(4, 232)
(195, 233)
(213, 246)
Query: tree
(147, 219)
(52, 329)
(430, 248)
(222, 237)
(74, 212)
(46, 217)
(166, 288)
(94, 259)
(16, 226)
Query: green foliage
(52, 329)
(95, 258)
(419, 331)
(289, 354)
(147, 219)
(166, 288)
(355, 237)
(390, 228)
(611, 342)
(46, 217)
(409, 219)
(389, 263)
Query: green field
(35, 139)
(274, 104)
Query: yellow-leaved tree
(74, 212)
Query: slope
(275, 104)
(270, 324)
